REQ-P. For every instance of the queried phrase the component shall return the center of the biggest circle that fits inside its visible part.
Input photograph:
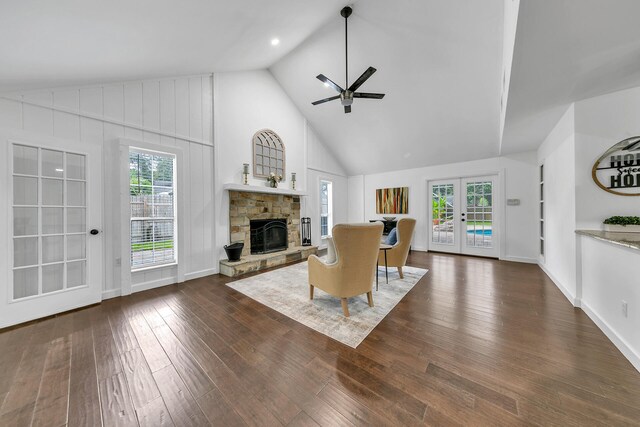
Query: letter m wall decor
(392, 200)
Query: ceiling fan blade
(347, 109)
(330, 82)
(363, 78)
(368, 95)
(322, 101)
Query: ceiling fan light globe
(346, 101)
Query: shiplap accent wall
(174, 112)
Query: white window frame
(174, 218)
(180, 178)
(329, 207)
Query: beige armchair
(397, 256)
(352, 272)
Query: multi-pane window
(152, 193)
(442, 201)
(49, 221)
(326, 208)
(479, 214)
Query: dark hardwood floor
(476, 342)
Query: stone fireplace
(274, 213)
(247, 206)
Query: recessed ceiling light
(275, 42)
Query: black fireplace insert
(268, 235)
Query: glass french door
(54, 215)
(463, 216)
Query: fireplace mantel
(266, 190)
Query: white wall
(173, 112)
(319, 157)
(609, 277)
(557, 153)
(573, 201)
(600, 123)
(178, 112)
(246, 102)
(355, 208)
(519, 172)
(594, 275)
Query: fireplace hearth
(268, 235)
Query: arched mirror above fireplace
(268, 154)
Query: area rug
(287, 290)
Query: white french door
(54, 223)
(463, 216)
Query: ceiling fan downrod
(347, 95)
(346, 13)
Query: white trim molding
(127, 287)
(201, 273)
(111, 293)
(616, 339)
(519, 259)
(572, 299)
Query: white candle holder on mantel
(245, 173)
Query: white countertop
(629, 240)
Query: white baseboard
(111, 293)
(153, 284)
(201, 273)
(520, 259)
(616, 339)
(572, 299)
(419, 249)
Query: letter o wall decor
(268, 154)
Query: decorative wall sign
(618, 169)
(392, 200)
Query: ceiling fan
(346, 95)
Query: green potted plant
(624, 224)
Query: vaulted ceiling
(566, 51)
(47, 43)
(439, 62)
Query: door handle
(94, 231)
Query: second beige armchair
(397, 256)
(352, 272)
